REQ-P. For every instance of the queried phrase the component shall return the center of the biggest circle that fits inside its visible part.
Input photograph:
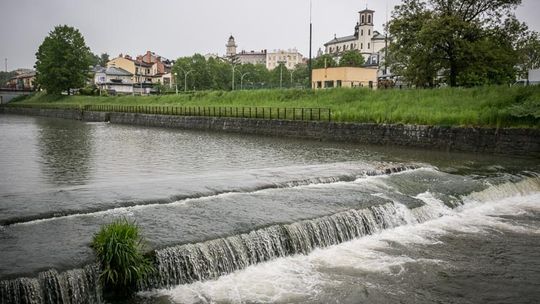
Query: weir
(78, 286)
(208, 260)
(253, 186)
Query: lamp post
(291, 72)
(185, 78)
(242, 80)
(281, 64)
(176, 81)
(233, 68)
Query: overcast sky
(175, 28)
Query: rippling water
(463, 225)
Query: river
(245, 219)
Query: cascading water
(79, 286)
(208, 260)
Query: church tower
(365, 44)
(231, 47)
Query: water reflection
(66, 152)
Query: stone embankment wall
(519, 142)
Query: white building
(369, 42)
(290, 58)
(113, 78)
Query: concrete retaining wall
(522, 142)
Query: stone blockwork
(522, 142)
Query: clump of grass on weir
(118, 247)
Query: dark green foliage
(5, 77)
(456, 42)
(63, 60)
(118, 247)
(324, 61)
(351, 58)
(217, 74)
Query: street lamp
(233, 68)
(242, 80)
(291, 72)
(281, 64)
(185, 78)
(176, 81)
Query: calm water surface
(60, 180)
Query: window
(352, 46)
(319, 84)
(369, 19)
(368, 45)
(361, 45)
(338, 84)
(363, 19)
(329, 84)
(369, 32)
(361, 32)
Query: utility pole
(310, 42)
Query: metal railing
(306, 114)
(303, 114)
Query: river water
(245, 219)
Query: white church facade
(366, 40)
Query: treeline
(196, 73)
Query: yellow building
(142, 71)
(347, 77)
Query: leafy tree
(351, 58)
(324, 61)
(460, 42)
(63, 60)
(5, 77)
(103, 59)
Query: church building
(369, 42)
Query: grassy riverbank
(484, 106)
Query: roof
(378, 36)
(28, 74)
(117, 72)
(341, 39)
(367, 11)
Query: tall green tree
(351, 58)
(63, 60)
(460, 42)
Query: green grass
(500, 106)
(118, 247)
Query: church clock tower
(365, 31)
(231, 47)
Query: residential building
(114, 78)
(344, 77)
(161, 67)
(366, 40)
(290, 58)
(24, 80)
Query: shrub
(118, 247)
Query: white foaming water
(302, 277)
